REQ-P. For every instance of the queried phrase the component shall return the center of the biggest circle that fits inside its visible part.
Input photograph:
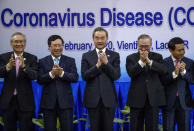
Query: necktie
(99, 52)
(176, 62)
(17, 65)
(56, 61)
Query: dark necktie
(99, 52)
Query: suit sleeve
(133, 68)
(189, 76)
(113, 70)
(158, 65)
(86, 71)
(31, 70)
(72, 75)
(2, 67)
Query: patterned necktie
(176, 62)
(17, 65)
(99, 52)
(56, 61)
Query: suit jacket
(23, 82)
(57, 89)
(180, 84)
(100, 82)
(145, 82)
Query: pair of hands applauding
(12, 62)
(56, 70)
(180, 68)
(102, 59)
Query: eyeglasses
(146, 47)
(18, 41)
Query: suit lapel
(137, 57)
(94, 57)
(50, 62)
(108, 54)
(62, 61)
(26, 60)
(170, 64)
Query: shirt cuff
(151, 61)
(141, 63)
(61, 74)
(183, 72)
(7, 68)
(174, 75)
(50, 74)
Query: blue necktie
(56, 61)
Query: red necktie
(176, 62)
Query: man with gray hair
(18, 68)
(146, 92)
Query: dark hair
(174, 41)
(99, 29)
(53, 38)
(17, 33)
(144, 36)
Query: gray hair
(18, 33)
(144, 36)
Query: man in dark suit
(18, 68)
(100, 68)
(56, 72)
(176, 82)
(146, 92)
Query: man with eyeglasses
(56, 72)
(18, 68)
(146, 92)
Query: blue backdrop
(81, 112)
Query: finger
(55, 65)
(22, 58)
(140, 51)
(12, 56)
(182, 62)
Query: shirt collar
(55, 57)
(15, 55)
(103, 50)
(174, 59)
